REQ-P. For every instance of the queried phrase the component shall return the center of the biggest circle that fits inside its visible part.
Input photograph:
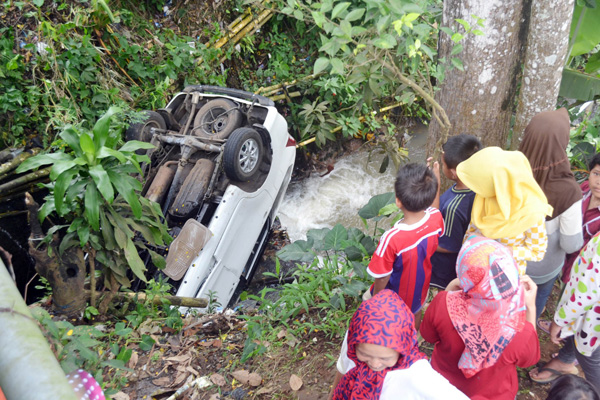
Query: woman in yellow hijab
(509, 205)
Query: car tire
(141, 131)
(242, 155)
(217, 119)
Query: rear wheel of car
(217, 119)
(142, 131)
(242, 155)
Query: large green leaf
(588, 29)
(62, 183)
(105, 152)
(61, 166)
(375, 204)
(92, 206)
(71, 136)
(579, 86)
(102, 127)
(103, 182)
(134, 145)
(125, 187)
(42, 159)
(300, 250)
(108, 233)
(333, 239)
(87, 145)
(317, 236)
(133, 259)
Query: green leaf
(383, 23)
(42, 159)
(464, 23)
(593, 64)
(317, 236)
(376, 203)
(339, 9)
(158, 260)
(319, 18)
(108, 233)
(106, 152)
(126, 189)
(38, 3)
(62, 183)
(134, 145)
(457, 62)
(300, 251)
(70, 135)
(477, 32)
(447, 30)
(457, 37)
(103, 183)
(320, 64)
(337, 66)
(87, 144)
(386, 41)
(334, 238)
(298, 15)
(456, 49)
(588, 30)
(134, 261)
(355, 14)
(102, 127)
(92, 206)
(579, 86)
(389, 209)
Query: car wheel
(142, 131)
(217, 119)
(242, 155)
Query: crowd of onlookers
(494, 245)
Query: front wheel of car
(242, 155)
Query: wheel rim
(249, 153)
(146, 130)
(215, 121)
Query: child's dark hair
(595, 161)
(572, 387)
(415, 186)
(458, 148)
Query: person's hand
(530, 289)
(453, 286)
(555, 333)
(435, 168)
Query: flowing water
(322, 202)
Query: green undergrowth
(105, 348)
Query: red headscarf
(382, 320)
(490, 308)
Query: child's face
(594, 182)
(376, 357)
(448, 173)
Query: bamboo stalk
(285, 96)
(270, 90)
(35, 175)
(157, 300)
(15, 162)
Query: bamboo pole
(33, 176)
(157, 300)
(15, 162)
(270, 90)
(285, 96)
(28, 368)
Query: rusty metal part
(191, 193)
(161, 182)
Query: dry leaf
(133, 360)
(217, 379)
(180, 359)
(179, 379)
(254, 379)
(295, 382)
(217, 343)
(215, 396)
(120, 396)
(281, 333)
(265, 390)
(241, 375)
(162, 382)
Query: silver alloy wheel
(248, 157)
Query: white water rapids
(322, 202)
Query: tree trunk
(28, 369)
(479, 100)
(65, 272)
(547, 48)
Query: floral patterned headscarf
(490, 308)
(382, 320)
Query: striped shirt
(404, 252)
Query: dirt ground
(209, 350)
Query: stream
(322, 202)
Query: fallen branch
(157, 300)
(15, 162)
(20, 181)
